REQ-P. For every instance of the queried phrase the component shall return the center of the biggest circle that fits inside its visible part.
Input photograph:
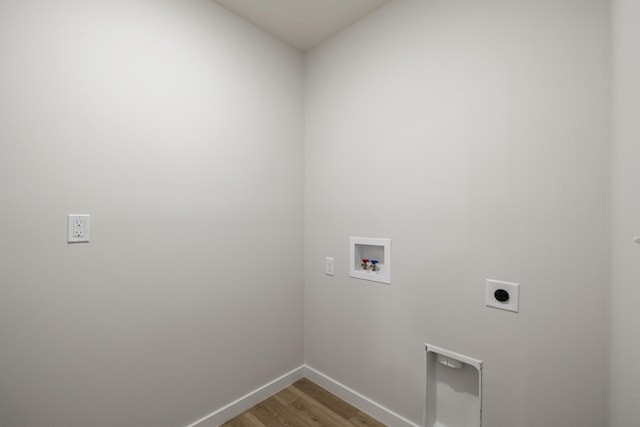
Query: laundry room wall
(475, 136)
(178, 127)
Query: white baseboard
(239, 406)
(361, 402)
(246, 402)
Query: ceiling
(302, 23)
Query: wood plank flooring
(303, 404)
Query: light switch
(329, 266)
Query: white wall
(178, 127)
(475, 136)
(625, 216)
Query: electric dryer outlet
(502, 295)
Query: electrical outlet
(502, 295)
(329, 266)
(77, 228)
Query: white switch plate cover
(512, 304)
(329, 266)
(77, 228)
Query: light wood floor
(303, 404)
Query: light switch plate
(502, 295)
(329, 266)
(77, 228)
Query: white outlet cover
(512, 304)
(80, 224)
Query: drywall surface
(475, 136)
(625, 216)
(178, 127)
